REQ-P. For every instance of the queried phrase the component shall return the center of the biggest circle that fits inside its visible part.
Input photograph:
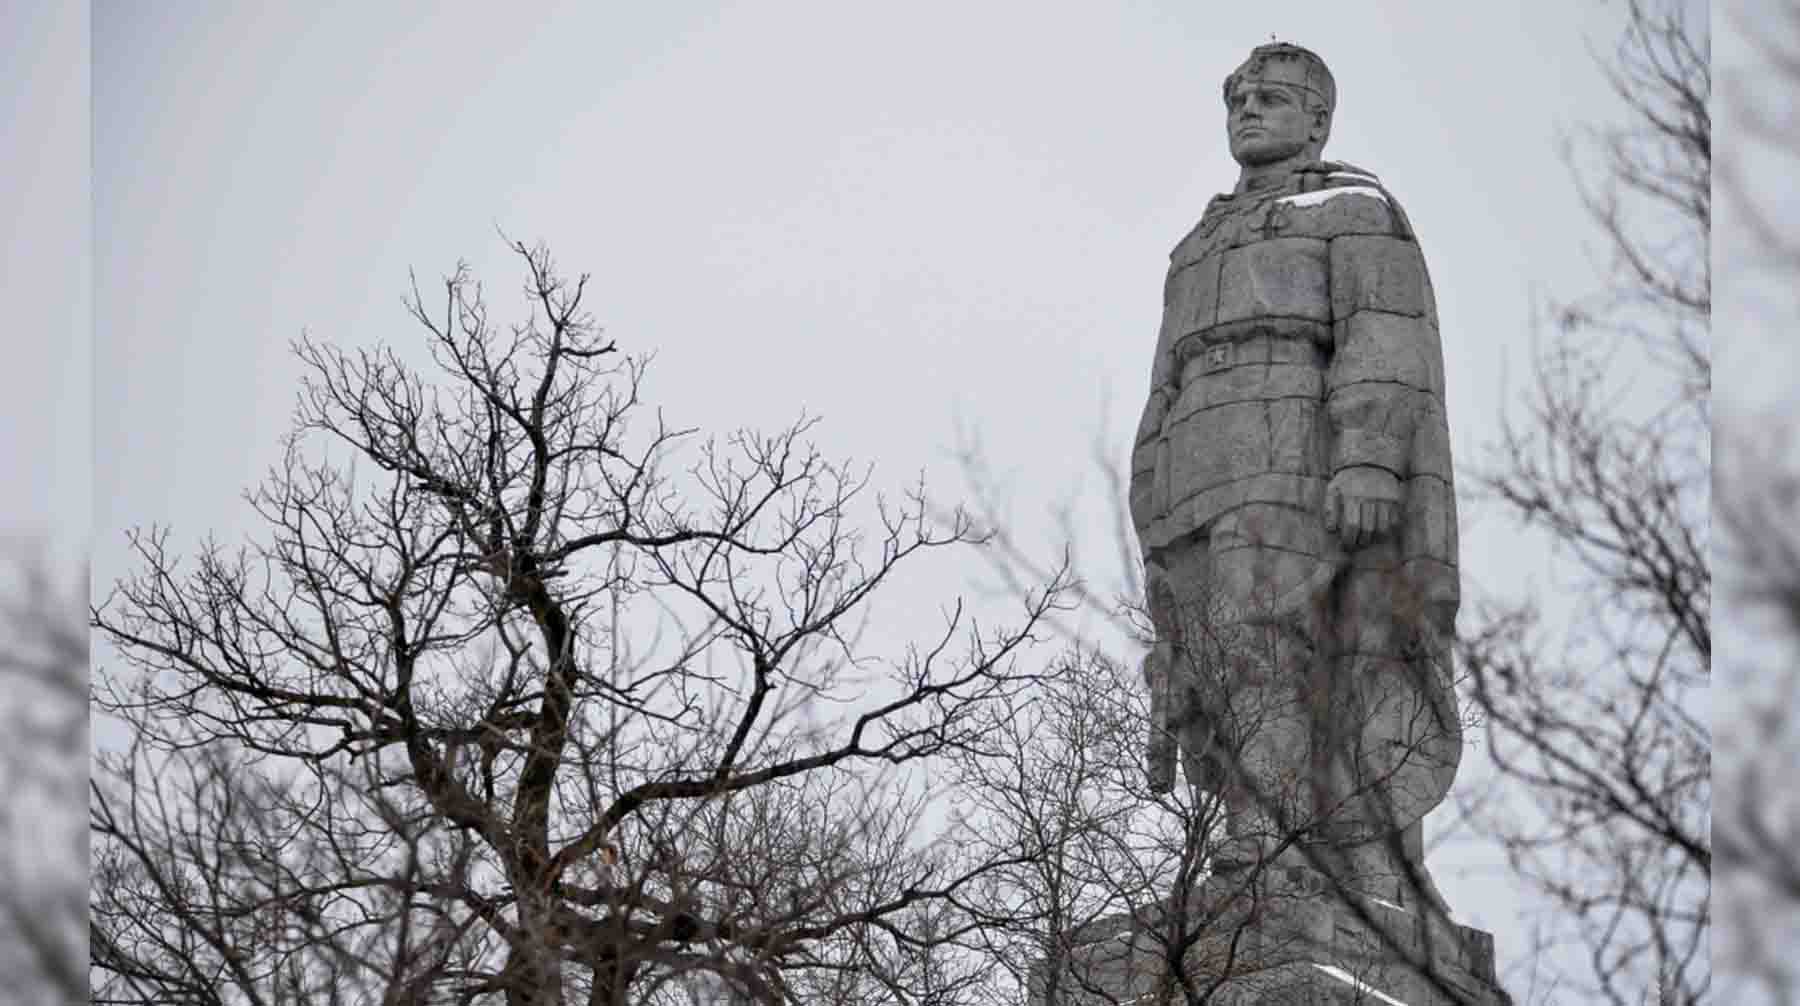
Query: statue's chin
(1256, 155)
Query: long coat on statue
(1300, 338)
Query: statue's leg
(1393, 740)
(1260, 650)
(1181, 604)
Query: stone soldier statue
(1291, 491)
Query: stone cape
(1329, 256)
(1299, 350)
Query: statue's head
(1278, 104)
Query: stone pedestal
(1291, 943)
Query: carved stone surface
(1292, 492)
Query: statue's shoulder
(1334, 199)
(1209, 235)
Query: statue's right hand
(1160, 752)
(1161, 770)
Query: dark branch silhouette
(523, 695)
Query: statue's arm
(1160, 752)
(1146, 453)
(1144, 458)
(1381, 379)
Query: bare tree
(1129, 900)
(1601, 723)
(503, 707)
(43, 664)
(1066, 789)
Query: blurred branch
(43, 672)
(1600, 726)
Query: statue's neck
(1258, 177)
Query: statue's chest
(1224, 228)
(1244, 264)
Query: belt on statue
(1209, 356)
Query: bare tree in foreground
(1116, 907)
(43, 668)
(1601, 729)
(502, 709)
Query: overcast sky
(45, 404)
(899, 218)
(890, 220)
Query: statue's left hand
(1362, 505)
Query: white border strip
(1358, 985)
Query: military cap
(1285, 63)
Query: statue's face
(1269, 122)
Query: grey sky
(894, 217)
(45, 471)
(45, 415)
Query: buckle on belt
(1218, 356)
